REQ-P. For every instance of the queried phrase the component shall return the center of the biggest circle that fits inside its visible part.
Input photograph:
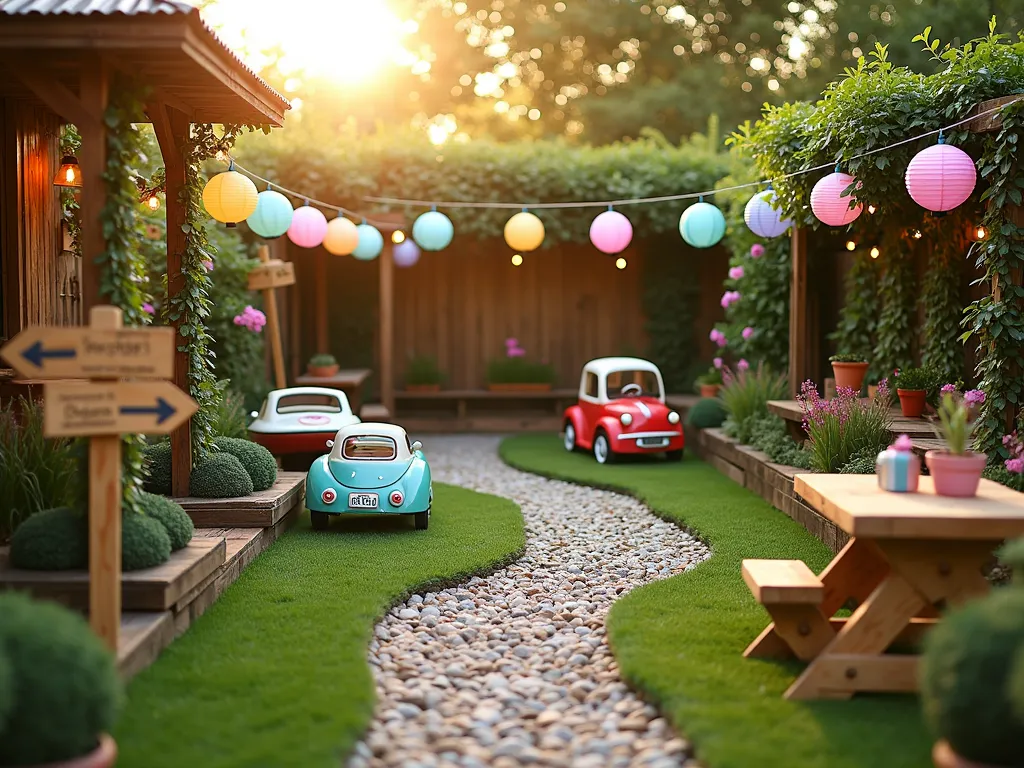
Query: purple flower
(511, 342)
(748, 332)
(716, 335)
(1015, 465)
(948, 389)
(757, 250)
(516, 352)
(903, 443)
(974, 397)
(209, 265)
(722, 342)
(736, 273)
(148, 309)
(717, 362)
(742, 365)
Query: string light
(517, 260)
(850, 245)
(221, 156)
(917, 234)
(875, 252)
(620, 263)
(398, 236)
(981, 232)
(871, 209)
(153, 202)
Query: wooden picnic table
(349, 381)
(910, 556)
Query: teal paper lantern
(273, 215)
(702, 225)
(433, 231)
(371, 243)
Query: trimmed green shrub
(707, 413)
(65, 683)
(52, 540)
(171, 516)
(220, 476)
(157, 468)
(768, 434)
(861, 463)
(519, 370)
(257, 460)
(145, 543)
(423, 370)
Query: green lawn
(681, 640)
(275, 673)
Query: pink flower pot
(953, 475)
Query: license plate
(362, 500)
(653, 442)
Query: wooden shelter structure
(57, 60)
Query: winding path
(514, 668)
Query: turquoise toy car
(371, 469)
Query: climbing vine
(896, 294)
(943, 311)
(858, 319)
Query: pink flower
(974, 397)
(748, 332)
(148, 309)
(511, 342)
(722, 342)
(717, 362)
(209, 265)
(1015, 465)
(736, 273)
(716, 335)
(903, 443)
(742, 365)
(516, 352)
(729, 297)
(948, 389)
(757, 250)
(252, 319)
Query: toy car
(300, 419)
(621, 410)
(371, 469)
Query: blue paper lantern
(371, 243)
(762, 219)
(273, 215)
(702, 225)
(433, 231)
(406, 253)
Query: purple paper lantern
(308, 227)
(941, 177)
(406, 253)
(828, 203)
(611, 232)
(762, 219)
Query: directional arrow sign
(272, 274)
(99, 408)
(41, 352)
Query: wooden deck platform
(259, 510)
(791, 411)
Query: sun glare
(350, 41)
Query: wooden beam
(798, 337)
(273, 326)
(55, 95)
(172, 132)
(320, 302)
(94, 94)
(387, 326)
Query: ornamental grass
(845, 426)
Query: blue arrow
(36, 354)
(162, 410)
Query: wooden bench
(792, 595)
(375, 412)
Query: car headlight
(673, 418)
(626, 419)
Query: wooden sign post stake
(271, 274)
(102, 409)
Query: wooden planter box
(519, 387)
(258, 510)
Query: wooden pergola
(57, 59)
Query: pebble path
(514, 668)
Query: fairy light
(871, 209)
(917, 234)
(620, 263)
(221, 156)
(850, 245)
(517, 260)
(153, 202)
(875, 252)
(981, 233)
(398, 236)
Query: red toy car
(622, 410)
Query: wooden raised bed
(263, 509)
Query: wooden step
(783, 582)
(374, 412)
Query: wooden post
(269, 275)
(798, 341)
(320, 303)
(94, 94)
(387, 326)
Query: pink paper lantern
(308, 227)
(611, 232)
(941, 177)
(829, 205)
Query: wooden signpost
(102, 410)
(271, 274)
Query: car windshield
(314, 403)
(636, 384)
(364, 447)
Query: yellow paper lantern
(524, 232)
(342, 236)
(230, 197)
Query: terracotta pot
(954, 475)
(422, 387)
(104, 756)
(850, 375)
(322, 371)
(709, 390)
(872, 390)
(944, 757)
(524, 387)
(912, 402)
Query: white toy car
(300, 419)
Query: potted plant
(972, 678)
(710, 382)
(59, 688)
(514, 373)
(957, 470)
(322, 366)
(912, 387)
(423, 375)
(872, 379)
(849, 371)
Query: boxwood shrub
(220, 476)
(259, 463)
(51, 540)
(157, 468)
(171, 516)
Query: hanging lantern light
(702, 225)
(762, 218)
(941, 177)
(611, 232)
(153, 202)
(308, 226)
(342, 236)
(433, 231)
(371, 243)
(69, 174)
(406, 253)
(828, 203)
(273, 214)
(230, 197)
(524, 232)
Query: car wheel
(674, 455)
(603, 452)
(320, 520)
(422, 520)
(569, 441)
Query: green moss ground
(275, 673)
(681, 640)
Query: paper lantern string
(627, 201)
